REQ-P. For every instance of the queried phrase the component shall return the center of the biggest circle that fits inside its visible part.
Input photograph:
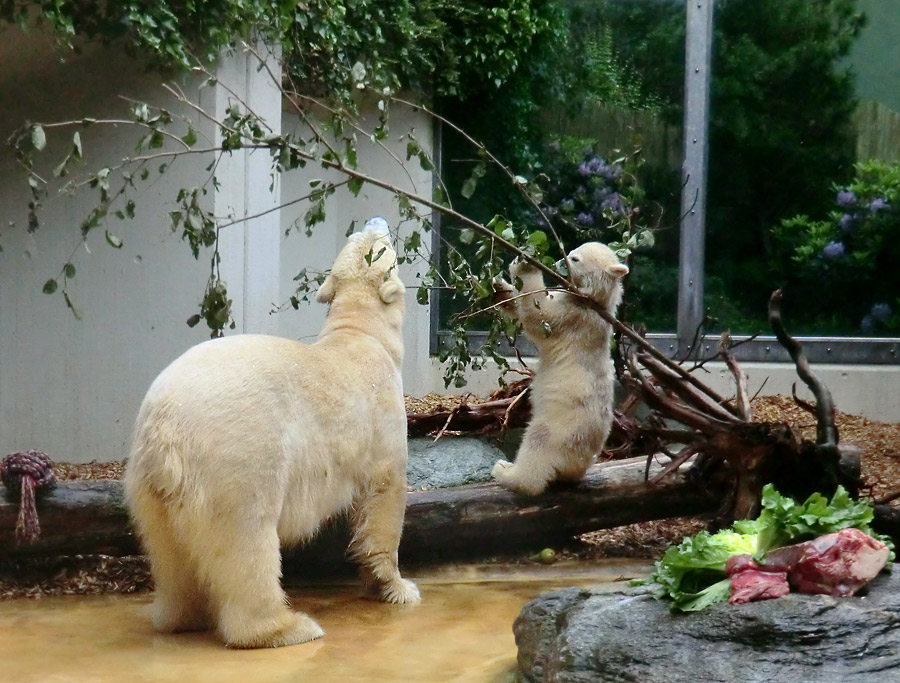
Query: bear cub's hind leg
(533, 468)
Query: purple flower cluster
(833, 250)
(613, 202)
(846, 198)
(846, 222)
(584, 219)
(597, 166)
(881, 311)
(584, 190)
(878, 204)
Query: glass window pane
(804, 184)
(593, 118)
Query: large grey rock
(577, 635)
(450, 461)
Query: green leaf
(77, 151)
(63, 169)
(113, 241)
(468, 188)
(38, 138)
(190, 138)
(355, 185)
(467, 236)
(783, 521)
(50, 286)
(358, 74)
(538, 239)
(69, 270)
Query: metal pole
(698, 52)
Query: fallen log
(476, 520)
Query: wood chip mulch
(879, 445)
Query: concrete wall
(71, 386)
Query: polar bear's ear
(326, 291)
(390, 291)
(618, 270)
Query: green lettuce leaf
(692, 573)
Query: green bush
(843, 268)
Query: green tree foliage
(843, 266)
(331, 47)
(780, 127)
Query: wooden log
(477, 520)
(76, 517)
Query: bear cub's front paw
(501, 470)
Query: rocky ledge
(624, 634)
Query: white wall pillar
(250, 250)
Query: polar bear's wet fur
(572, 391)
(250, 442)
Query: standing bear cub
(572, 391)
(250, 442)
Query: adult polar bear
(572, 391)
(249, 442)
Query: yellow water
(461, 631)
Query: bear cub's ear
(618, 270)
(326, 291)
(390, 291)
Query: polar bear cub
(250, 442)
(572, 391)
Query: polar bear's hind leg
(378, 522)
(179, 603)
(243, 571)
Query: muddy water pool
(461, 631)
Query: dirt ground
(879, 445)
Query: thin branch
(686, 454)
(826, 432)
(740, 377)
(276, 208)
(685, 391)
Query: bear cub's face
(596, 271)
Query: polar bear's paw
(400, 592)
(293, 629)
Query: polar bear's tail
(156, 464)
